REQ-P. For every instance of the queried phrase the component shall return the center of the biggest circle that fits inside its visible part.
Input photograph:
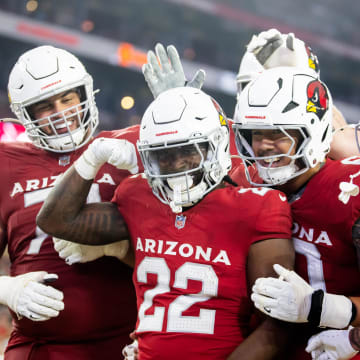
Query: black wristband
(314, 316)
(354, 312)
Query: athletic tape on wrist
(314, 316)
(85, 165)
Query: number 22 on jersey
(176, 322)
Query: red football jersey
(322, 234)
(322, 229)
(190, 268)
(99, 296)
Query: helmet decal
(301, 110)
(318, 98)
(222, 116)
(313, 60)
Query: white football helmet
(283, 99)
(184, 121)
(299, 55)
(43, 72)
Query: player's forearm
(356, 309)
(66, 215)
(63, 204)
(267, 342)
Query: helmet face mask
(42, 74)
(298, 107)
(184, 146)
(273, 167)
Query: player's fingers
(45, 290)
(147, 70)
(70, 250)
(198, 80)
(281, 271)
(59, 244)
(313, 344)
(163, 58)
(263, 285)
(263, 303)
(32, 315)
(175, 59)
(73, 259)
(153, 61)
(42, 311)
(290, 41)
(326, 356)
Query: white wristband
(336, 311)
(7, 297)
(86, 165)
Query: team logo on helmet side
(318, 98)
(313, 60)
(222, 116)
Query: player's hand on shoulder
(117, 152)
(272, 49)
(331, 344)
(288, 300)
(74, 253)
(291, 298)
(264, 44)
(164, 71)
(29, 296)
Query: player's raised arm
(164, 71)
(65, 213)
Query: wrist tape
(328, 310)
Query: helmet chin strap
(277, 175)
(67, 142)
(181, 191)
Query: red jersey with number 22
(190, 268)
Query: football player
(283, 127)
(288, 51)
(84, 311)
(198, 244)
(270, 49)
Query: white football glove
(290, 298)
(77, 253)
(28, 296)
(130, 352)
(331, 345)
(272, 49)
(117, 152)
(164, 71)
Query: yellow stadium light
(32, 5)
(127, 102)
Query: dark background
(209, 32)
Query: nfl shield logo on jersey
(64, 160)
(180, 221)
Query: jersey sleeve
(274, 217)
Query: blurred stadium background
(111, 37)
